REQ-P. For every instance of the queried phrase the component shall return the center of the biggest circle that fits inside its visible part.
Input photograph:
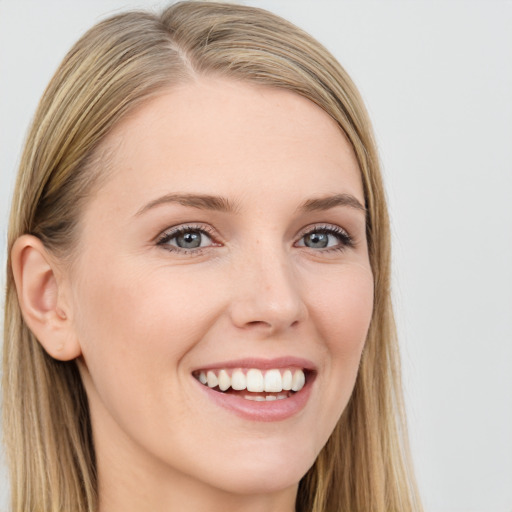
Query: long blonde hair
(114, 67)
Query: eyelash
(345, 240)
(167, 236)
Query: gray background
(437, 79)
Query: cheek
(134, 321)
(343, 309)
(342, 316)
(135, 330)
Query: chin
(260, 481)
(265, 470)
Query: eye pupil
(316, 240)
(189, 240)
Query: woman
(198, 311)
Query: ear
(42, 304)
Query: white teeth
(224, 380)
(287, 380)
(255, 382)
(267, 398)
(212, 379)
(238, 380)
(257, 398)
(298, 380)
(273, 381)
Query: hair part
(114, 68)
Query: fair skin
(267, 278)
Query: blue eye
(326, 237)
(186, 239)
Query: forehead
(220, 136)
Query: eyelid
(344, 237)
(319, 226)
(170, 233)
(346, 240)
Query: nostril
(259, 323)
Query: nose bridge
(267, 289)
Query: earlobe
(41, 303)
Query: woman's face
(227, 242)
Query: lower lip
(274, 410)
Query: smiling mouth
(254, 384)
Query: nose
(266, 294)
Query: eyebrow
(199, 201)
(326, 203)
(222, 204)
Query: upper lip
(262, 363)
